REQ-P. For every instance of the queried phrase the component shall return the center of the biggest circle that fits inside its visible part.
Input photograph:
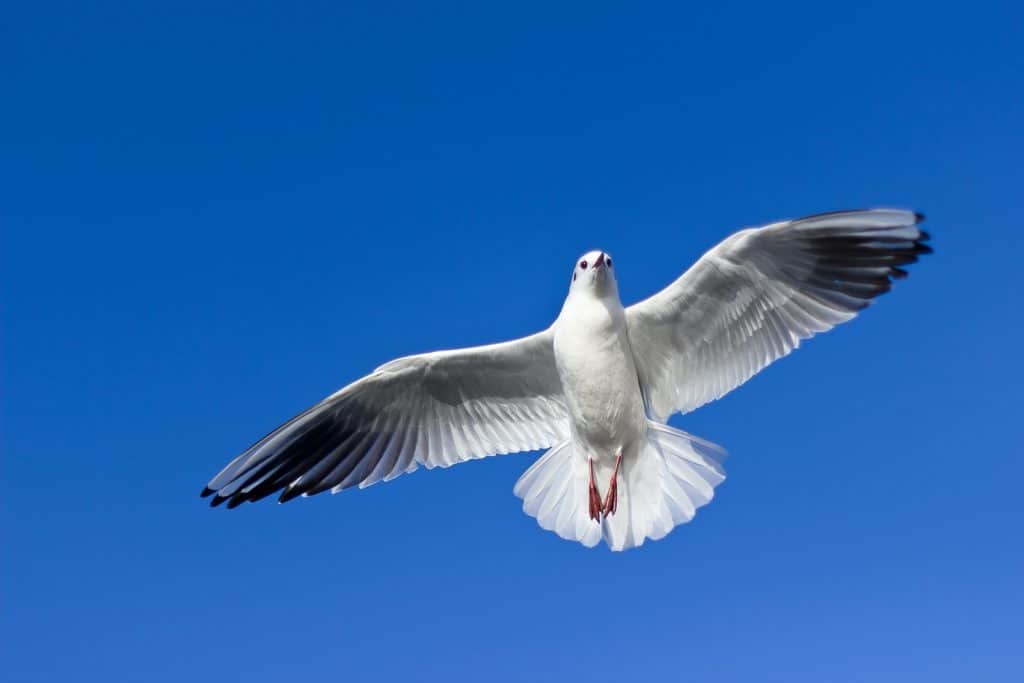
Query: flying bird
(597, 387)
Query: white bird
(597, 387)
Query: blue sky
(212, 216)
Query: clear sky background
(213, 216)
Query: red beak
(600, 261)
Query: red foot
(611, 500)
(595, 496)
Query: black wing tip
(233, 501)
(844, 262)
(925, 236)
(258, 493)
(290, 494)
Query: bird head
(593, 274)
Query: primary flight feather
(597, 387)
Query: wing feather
(433, 409)
(755, 296)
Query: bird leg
(611, 500)
(595, 496)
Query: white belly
(599, 379)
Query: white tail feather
(672, 475)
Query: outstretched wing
(755, 296)
(434, 409)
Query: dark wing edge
(432, 409)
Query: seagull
(597, 387)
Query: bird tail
(671, 475)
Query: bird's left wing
(756, 295)
(434, 409)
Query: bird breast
(599, 379)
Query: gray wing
(755, 296)
(434, 409)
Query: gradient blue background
(213, 216)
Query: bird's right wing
(433, 409)
(755, 296)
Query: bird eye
(583, 265)
(609, 262)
